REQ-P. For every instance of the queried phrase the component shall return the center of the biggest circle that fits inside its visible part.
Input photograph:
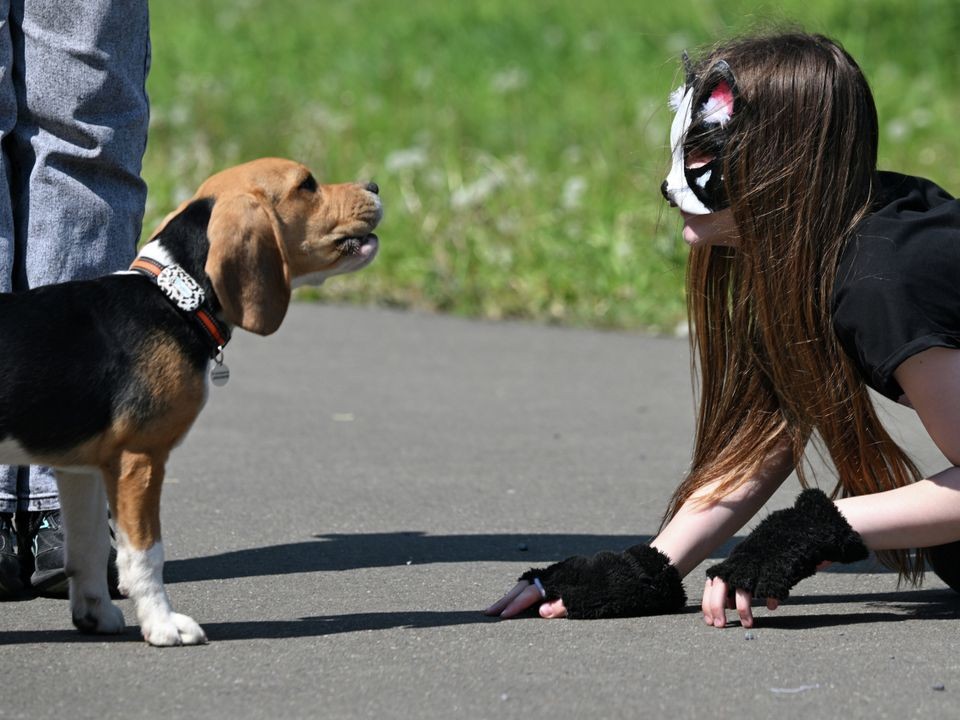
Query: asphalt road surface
(369, 480)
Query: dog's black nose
(666, 194)
(373, 187)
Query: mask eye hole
(697, 159)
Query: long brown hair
(799, 169)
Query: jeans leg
(38, 489)
(8, 118)
(8, 488)
(82, 130)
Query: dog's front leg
(135, 498)
(87, 549)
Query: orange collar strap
(187, 295)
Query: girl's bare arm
(928, 512)
(698, 528)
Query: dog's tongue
(370, 245)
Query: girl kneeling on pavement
(811, 277)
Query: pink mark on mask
(718, 109)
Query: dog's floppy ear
(246, 264)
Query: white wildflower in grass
(591, 42)
(514, 171)
(405, 159)
(678, 42)
(423, 78)
(192, 162)
(238, 13)
(572, 154)
(507, 225)
(323, 118)
(553, 36)
(621, 249)
(509, 80)
(474, 193)
(499, 256)
(898, 129)
(435, 178)
(921, 117)
(175, 115)
(572, 194)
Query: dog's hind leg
(83, 507)
(135, 499)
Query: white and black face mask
(698, 137)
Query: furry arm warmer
(788, 545)
(638, 581)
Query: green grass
(519, 144)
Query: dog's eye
(309, 184)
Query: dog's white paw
(93, 614)
(173, 629)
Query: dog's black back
(68, 352)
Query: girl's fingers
(716, 598)
(721, 598)
(743, 600)
(553, 609)
(705, 602)
(715, 602)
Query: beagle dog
(100, 379)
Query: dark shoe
(10, 583)
(46, 533)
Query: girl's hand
(638, 581)
(786, 547)
(716, 600)
(522, 596)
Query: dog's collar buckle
(182, 289)
(188, 296)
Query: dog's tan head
(273, 227)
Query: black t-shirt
(897, 290)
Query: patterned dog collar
(188, 297)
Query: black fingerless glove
(788, 545)
(638, 581)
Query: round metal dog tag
(219, 374)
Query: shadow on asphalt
(337, 552)
(60, 637)
(341, 624)
(896, 607)
(876, 608)
(269, 629)
(879, 607)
